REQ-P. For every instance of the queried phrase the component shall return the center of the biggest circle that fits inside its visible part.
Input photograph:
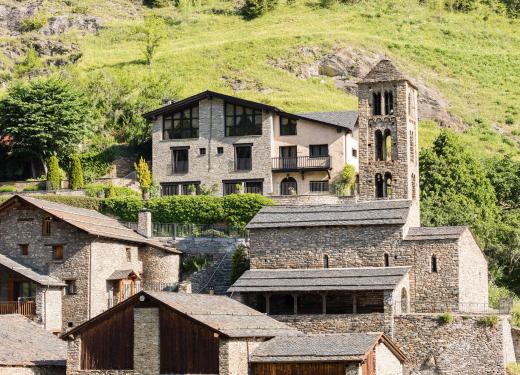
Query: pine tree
(239, 263)
(144, 175)
(54, 174)
(76, 180)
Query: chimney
(144, 223)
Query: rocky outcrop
(11, 16)
(346, 65)
(61, 24)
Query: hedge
(74, 201)
(239, 209)
(125, 208)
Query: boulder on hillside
(61, 24)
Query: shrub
(461, 5)
(125, 208)
(513, 369)
(143, 175)
(489, 320)
(446, 318)
(31, 188)
(33, 23)
(76, 180)
(239, 209)
(239, 263)
(7, 189)
(95, 190)
(196, 209)
(195, 263)
(54, 174)
(157, 3)
(515, 315)
(80, 202)
(255, 8)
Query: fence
(176, 230)
(26, 308)
(437, 307)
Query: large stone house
(236, 145)
(66, 265)
(175, 333)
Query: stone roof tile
(29, 273)
(344, 119)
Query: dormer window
(182, 125)
(242, 120)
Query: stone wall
(335, 323)
(463, 347)
(515, 333)
(386, 362)
(147, 354)
(234, 355)
(212, 167)
(33, 370)
(159, 266)
(295, 200)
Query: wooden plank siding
(299, 369)
(369, 366)
(109, 343)
(186, 346)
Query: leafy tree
(143, 175)
(44, 117)
(255, 8)
(151, 33)
(239, 263)
(30, 66)
(504, 174)
(76, 180)
(54, 173)
(455, 189)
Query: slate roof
(90, 221)
(121, 274)
(344, 119)
(319, 279)
(385, 71)
(384, 212)
(435, 233)
(221, 314)
(24, 343)
(348, 347)
(29, 273)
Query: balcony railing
(26, 308)
(301, 163)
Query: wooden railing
(301, 163)
(27, 308)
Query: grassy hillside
(472, 59)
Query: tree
(143, 175)
(151, 33)
(455, 189)
(239, 263)
(44, 117)
(255, 8)
(30, 65)
(504, 174)
(76, 180)
(54, 174)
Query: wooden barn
(328, 354)
(171, 333)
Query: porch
(17, 294)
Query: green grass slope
(471, 59)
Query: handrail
(301, 163)
(27, 308)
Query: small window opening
(24, 249)
(220, 150)
(46, 229)
(434, 266)
(387, 260)
(128, 254)
(388, 185)
(202, 151)
(379, 145)
(389, 103)
(380, 191)
(70, 287)
(325, 261)
(376, 103)
(387, 145)
(57, 252)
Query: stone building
(66, 265)
(236, 145)
(28, 349)
(155, 333)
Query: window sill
(178, 140)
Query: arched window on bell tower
(414, 187)
(387, 142)
(378, 138)
(389, 102)
(376, 103)
(379, 185)
(388, 185)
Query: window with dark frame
(179, 188)
(70, 287)
(181, 125)
(387, 260)
(249, 187)
(376, 103)
(24, 249)
(389, 102)
(57, 252)
(231, 187)
(254, 187)
(243, 158)
(46, 226)
(287, 126)
(240, 120)
(180, 160)
(434, 265)
(202, 151)
(220, 150)
(316, 151)
(354, 153)
(319, 186)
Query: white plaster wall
(509, 347)
(53, 298)
(386, 362)
(473, 274)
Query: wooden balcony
(26, 308)
(301, 163)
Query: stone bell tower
(388, 140)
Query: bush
(97, 190)
(515, 315)
(513, 369)
(255, 8)
(239, 263)
(33, 23)
(446, 318)
(125, 208)
(79, 202)
(489, 321)
(196, 209)
(143, 175)
(76, 180)
(239, 209)
(7, 189)
(461, 5)
(195, 263)
(32, 188)
(54, 174)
